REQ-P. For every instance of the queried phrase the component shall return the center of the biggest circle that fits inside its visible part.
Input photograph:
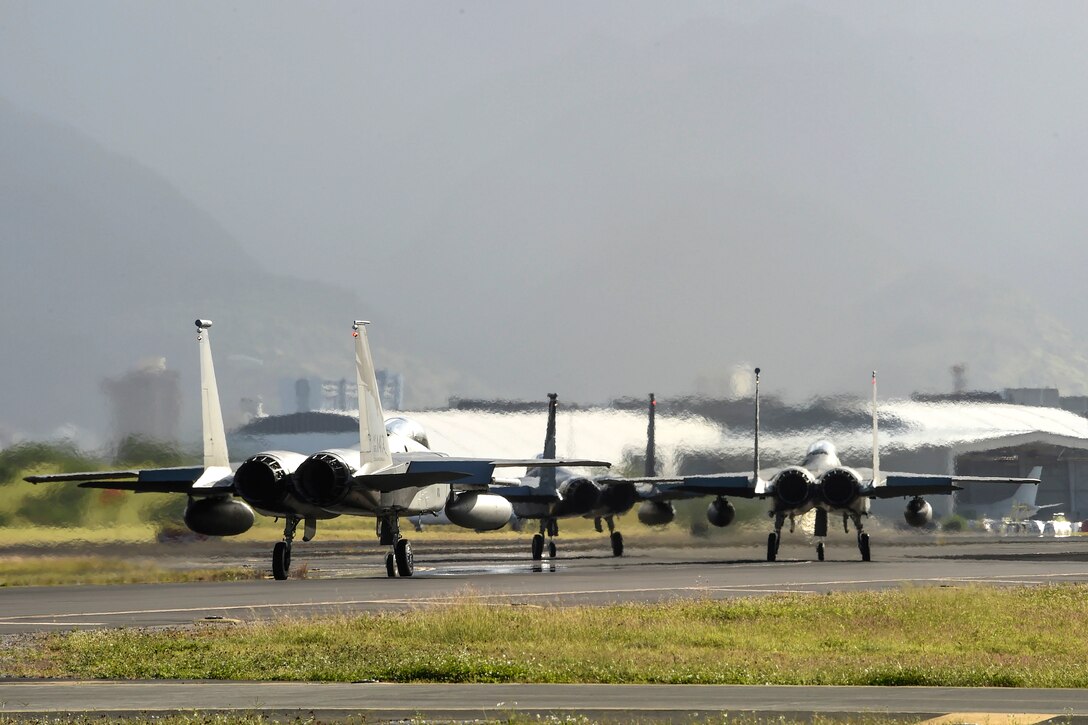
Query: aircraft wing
(921, 484)
(740, 485)
(193, 480)
(464, 474)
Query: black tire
(772, 546)
(617, 543)
(403, 554)
(863, 546)
(390, 565)
(820, 551)
(551, 549)
(281, 560)
(538, 547)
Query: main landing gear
(551, 528)
(615, 536)
(281, 552)
(399, 559)
(820, 532)
(774, 539)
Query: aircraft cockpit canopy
(408, 428)
(821, 448)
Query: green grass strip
(976, 636)
(57, 570)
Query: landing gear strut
(399, 559)
(774, 539)
(551, 528)
(281, 552)
(863, 538)
(820, 531)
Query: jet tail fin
(755, 454)
(211, 412)
(547, 474)
(876, 444)
(651, 446)
(373, 442)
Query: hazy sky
(611, 197)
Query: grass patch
(965, 637)
(55, 570)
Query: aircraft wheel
(405, 562)
(390, 565)
(820, 551)
(863, 546)
(538, 547)
(772, 546)
(281, 560)
(617, 543)
(551, 549)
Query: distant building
(145, 402)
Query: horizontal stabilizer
(387, 482)
(637, 479)
(85, 476)
(740, 485)
(183, 479)
(547, 463)
(897, 484)
(526, 494)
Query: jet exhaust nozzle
(618, 498)
(264, 480)
(580, 496)
(839, 487)
(323, 479)
(793, 487)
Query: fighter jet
(549, 494)
(823, 483)
(389, 476)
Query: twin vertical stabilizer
(373, 442)
(215, 436)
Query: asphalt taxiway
(348, 578)
(384, 702)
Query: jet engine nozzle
(656, 513)
(580, 496)
(720, 512)
(617, 498)
(793, 487)
(839, 487)
(323, 479)
(264, 480)
(919, 512)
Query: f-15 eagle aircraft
(389, 476)
(549, 494)
(823, 483)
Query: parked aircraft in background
(389, 476)
(823, 483)
(549, 494)
(1018, 507)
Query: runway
(502, 574)
(382, 702)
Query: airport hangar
(978, 438)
